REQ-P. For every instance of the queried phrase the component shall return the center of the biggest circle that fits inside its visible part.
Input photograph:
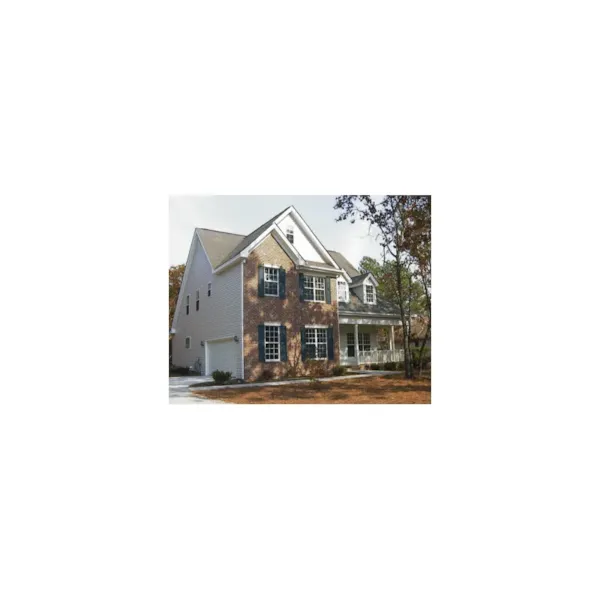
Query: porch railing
(380, 356)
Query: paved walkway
(179, 390)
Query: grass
(385, 389)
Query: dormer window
(289, 234)
(342, 287)
(369, 294)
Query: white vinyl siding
(301, 242)
(316, 343)
(314, 288)
(216, 320)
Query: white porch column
(356, 343)
(392, 341)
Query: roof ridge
(248, 239)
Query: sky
(243, 214)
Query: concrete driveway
(179, 392)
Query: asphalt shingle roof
(251, 237)
(218, 244)
(344, 263)
(383, 307)
(359, 278)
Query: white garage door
(222, 356)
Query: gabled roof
(218, 244)
(344, 263)
(359, 279)
(244, 242)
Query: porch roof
(358, 308)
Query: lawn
(386, 389)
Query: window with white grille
(364, 342)
(271, 281)
(350, 344)
(370, 294)
(272, 343)
(342, 291)
(314, 288)
(290, 234)
(316, 342)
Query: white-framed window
(342, 287)
(272, 343)
(187, 304)
(188, 343)
(351, 345)
(314, 288)
(364, 342)
(209, 288)
(316, 343)
(197, 300)
(271, 281)
(369, 294)
(289, 234)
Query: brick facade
(290, 311)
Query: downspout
(242, 322)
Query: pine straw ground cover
(387, 389)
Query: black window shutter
(283, 344)
(282, 283)
(261, 281)
(330, 343)
(303, 342)
(261, 343)
(302, 286)
(328, 290)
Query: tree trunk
(428, 332)
(408, 370)
(423, 344)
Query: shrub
(390, 366)
(316, 368)
(221, 377)
(375, 367)
(426, 357)
(338, 370)
(267, 375)
(173, 370)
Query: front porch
(362, 344)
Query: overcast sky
(243, 214)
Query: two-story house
(273, 299)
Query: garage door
(222, 356)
